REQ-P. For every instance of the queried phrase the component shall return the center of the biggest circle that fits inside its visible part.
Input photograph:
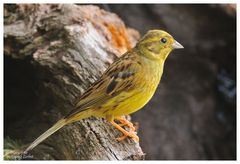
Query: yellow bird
(125, 87)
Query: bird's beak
(177, 45)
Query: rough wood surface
(64, 49)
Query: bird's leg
(131, 134)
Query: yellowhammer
(125, 87)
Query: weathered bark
(60, 50)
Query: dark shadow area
(20, 95)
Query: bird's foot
(126, 134)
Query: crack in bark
(98, 137)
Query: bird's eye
(164, 40)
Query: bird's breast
(147, 82)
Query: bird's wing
(119, 77)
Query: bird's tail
(68, 119)
(46, 134)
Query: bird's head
(157, 44)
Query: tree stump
(52, 54)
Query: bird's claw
(126, 134)
(133, 135)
